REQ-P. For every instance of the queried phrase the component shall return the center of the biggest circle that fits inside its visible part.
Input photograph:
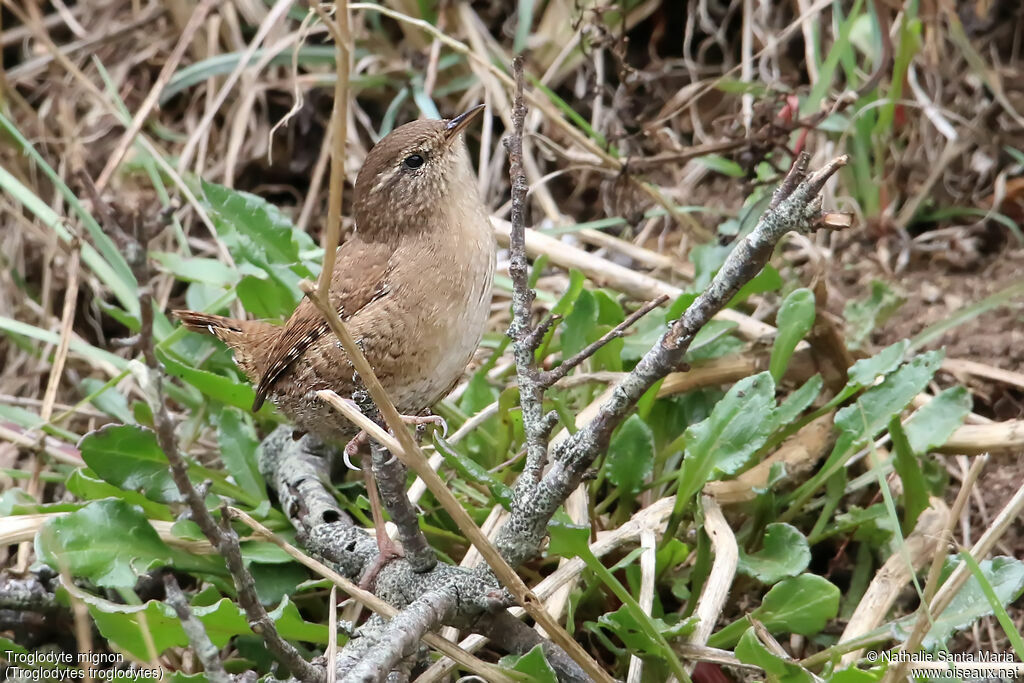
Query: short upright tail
(249, 339)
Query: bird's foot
(389, 550)
(423, 420)
(355, 447)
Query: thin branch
(524, 339)
(390, 475)
(565, 367)
(204, 648)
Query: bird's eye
(413, 161)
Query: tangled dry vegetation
(656, 133)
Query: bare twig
(204, 648)
(551, 376)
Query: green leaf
(125, 624)
(472, 471)
(720, 164)
(801, 605)
(580, 326)
(86, 487)
(794, 320)
(238, 445)
(767, 280)
(864, 372)
(737, 427)
(568, 540)
(784, 553)
(220, 388)
(630, 457)
(107, 400)
(798, 401)
(932, 424)
(533, 664)
(863, 317)
(872, 410)
(128, 456)
(292, 626)
(266, 298)
(107, 542)
(1006, 577)
(915, 486)
(750, 650)
(223, 64)
(206, 270)
(865, 418)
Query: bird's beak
(457, 124)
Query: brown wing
(360, 274)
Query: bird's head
(412, 173)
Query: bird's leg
(388, 549)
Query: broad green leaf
(274, 582)
(794, 320)
(872, 410)
(292, 626)
(737, 427)
(784, 553)
(129, 456)
(238, 445)
(767, 280)
(630, 457)
(568, 540)
(220, 388)
(750, 650)
(801, 604)
(107, 542)
(932, 424)
(87, 487)
(864, 372)
(266, 298)
(533, 664)
(798, 401)
(123, 624)
(1004, 574)
(580, 326)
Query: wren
(413, 285)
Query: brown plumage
(413, 285)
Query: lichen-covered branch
(296, 471)
(390, 476)
(795, 206)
